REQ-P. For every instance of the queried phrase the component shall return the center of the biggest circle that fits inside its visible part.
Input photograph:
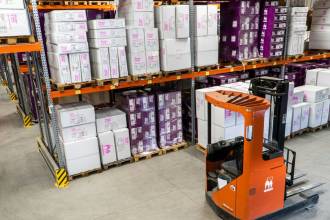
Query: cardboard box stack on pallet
(273, 28)
(67, 46)
(77, 132)
(297, 30)
(109, 123)
(173, 24)
(14, 19)
(143, 41)
(169, 118)
(239, 30)
(320, 29)
(107, 41)
(206, 35)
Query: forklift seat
(231, 167)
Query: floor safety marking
(62, 179)
(4, 83)
(27, 121)
(13, 96)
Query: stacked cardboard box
(297, 30)
(173, 24)
(206, 35)
(300, 110)
(143, 43)
(113, 135)
(272, 34)
(169, 118)
(140, 110)
(318, 99)
(67, 46)
(107, 41)
(239, 30)
(14, 19)
(320, 30)
(78, 137)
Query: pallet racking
(51, 150)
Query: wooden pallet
(297, 56)
(100, 2)
(102, 82)
(147, 155)
(176, 72)
(207, 68)
(298, 133)
(61, 87)
(146, 76)
(84, 174)
(73, 2)
(117, 163)
(17, 40)
(253, 61)
(174, 147)
(319, 128)
(201, 148)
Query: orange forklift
(253, 177)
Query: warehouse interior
(164, 109)
(169, 187)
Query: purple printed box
(149, 131)
(136, 134)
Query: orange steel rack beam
(24, 69)
(76, 7)
(20, 48)
(132, 84)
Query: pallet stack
(107, 41)
(143, 44)
(319, 36)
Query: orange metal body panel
(261, 187)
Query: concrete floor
(166, 187)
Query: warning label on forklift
(269, 184)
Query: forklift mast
(276, 91)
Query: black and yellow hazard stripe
(12, 96)
(62, 179)
(4, 83)
(27, 121)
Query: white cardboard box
(314, 94)
(75, 114)
(206, 50)
(220, 133)
(321, 4)
(137, 63)
(212, 20)
(298, 97)
(321, 45)
(122, 62)
(325, 112)
(65, 27)
(67, 48)
(318, 77)
(140, 19)
(201, 20)
(122, 143)
(80, 148)
(182, 21)
(296, 117)
(223, 117)
(114, 65)
(288, 123)
(83, 164)
(85, 67)
(14, 22)
(76, 133)
(60, 68)
(136, 5)
(315, 114)
(304, 115)
(75, 69)
(110, 119)
(152, 59)
(106, 23)
(107, 147)
(201, 103)
(174, 50)
(107, 42)
(165, 21)
(202, 132)
(67, 15)
(70, 37)
(12, 4)
(135, 38)
(107, 33)
(100, 63)
(151, 39)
